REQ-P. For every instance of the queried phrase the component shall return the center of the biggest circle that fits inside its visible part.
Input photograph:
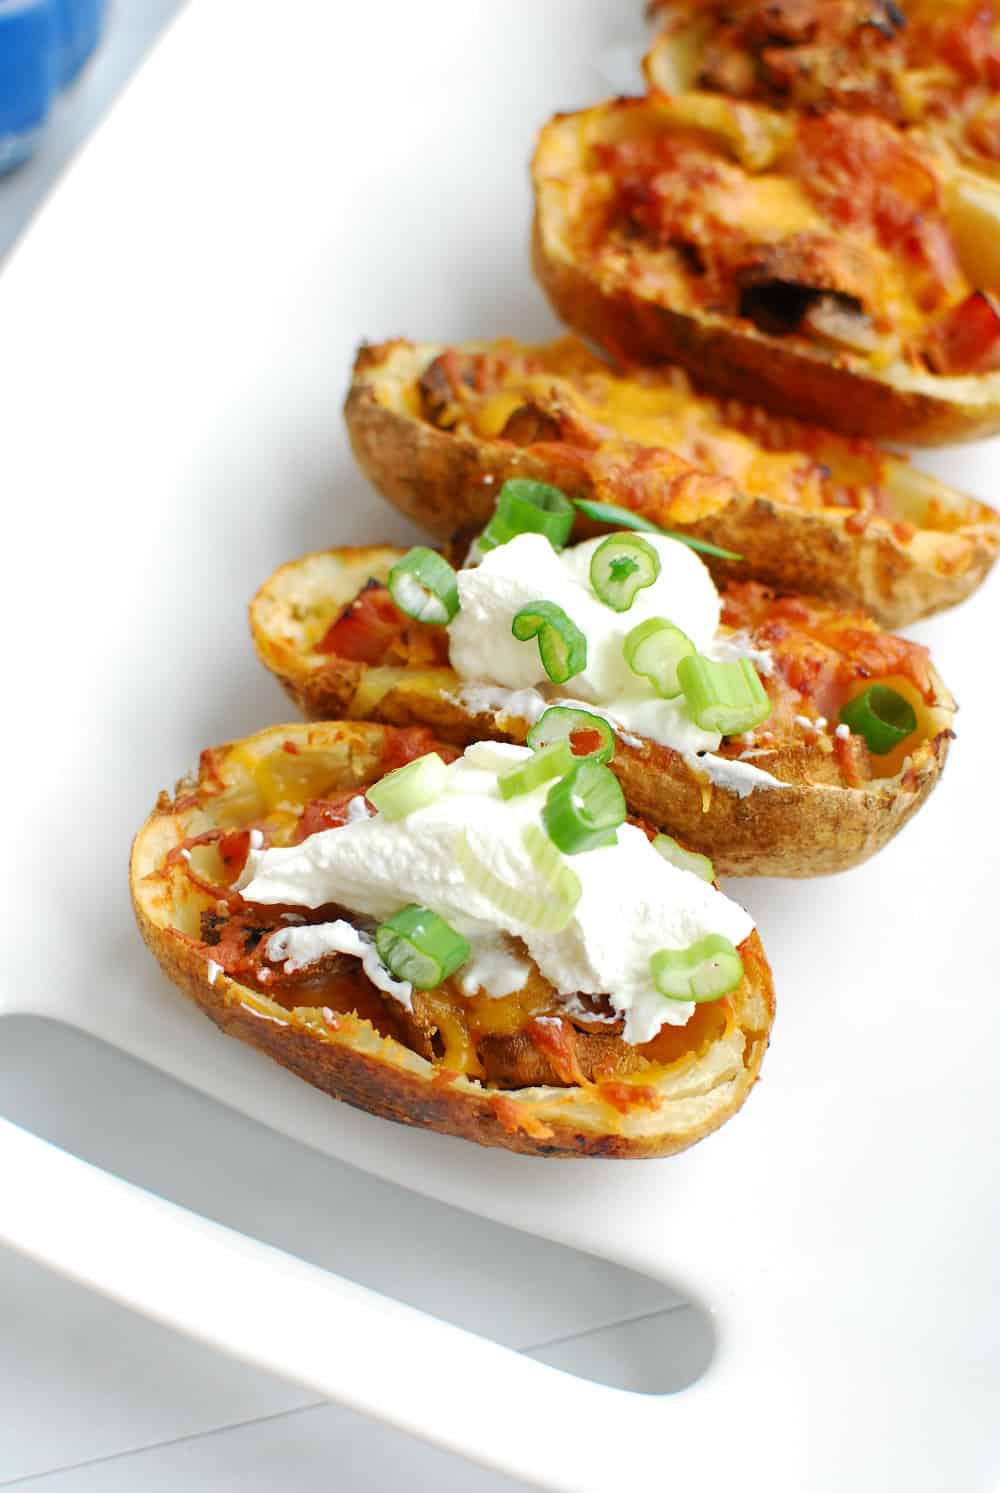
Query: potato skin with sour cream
(654, 1110)
(836, 806)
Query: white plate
(175, 335)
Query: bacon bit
(403, 744)
(366, 628)
(857, 523)
(292, 747)
(443, 1078)
(625, 1096)
(514, 1117)
(323, 813)
(557, 1040)
(904, 532)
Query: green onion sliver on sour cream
(424, 586)
(621, 567)
(589, 735)
(410, 787)
(417, 945)
(562, 647)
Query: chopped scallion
(417, 945)
(562, 647)
(621, 567)
(408, 788)
(703, 971)
(882, 716)
(424, 586)
(724, 697)
(653, 650)
(526, 507)
(584, 809)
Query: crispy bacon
(820, 652)
(323, 813)
(557, 1040)
(405, 743)
(366, 628)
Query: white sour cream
(506, 677)
(632, 903)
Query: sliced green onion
(411, 787)
(724, 697)
(624, 518)
(548, 913)
(526, 507)
(553, 761)
(684, 860)
(653, 650)
(584, 809)
(621, 567)
(562, 647)
(579, 728)
(882, 716)
(417, 945)
(703, 971)
(424, 586)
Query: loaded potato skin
(438, 429)
(335, 1030)
(920, 64)
(827, 267)
(836, 806)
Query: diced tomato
(967, 339)
(366, 628)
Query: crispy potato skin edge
(446, 483)
(798, 830)
(373, 1083)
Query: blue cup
(28, 76)
(78, 24)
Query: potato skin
(352, 1062)
(805, 828)
(448, 482)
(729, 355)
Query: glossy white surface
(169, 399)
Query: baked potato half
(326, 627)
(519, 1072)
(829, 266)
(921, 64)
(438, 429)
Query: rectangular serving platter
(175, 335)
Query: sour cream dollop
(632, 903)
(528, 569)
